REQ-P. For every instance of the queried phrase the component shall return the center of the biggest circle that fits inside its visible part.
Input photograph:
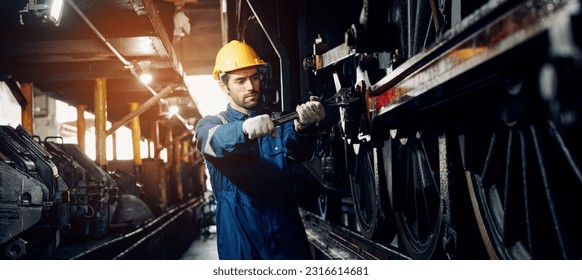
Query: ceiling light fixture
(145, 77)
(48, 10)
(181, 25)
(173, 110)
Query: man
(256, 214)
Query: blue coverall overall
(256, 214)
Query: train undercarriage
(457, 134)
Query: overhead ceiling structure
(114, 41)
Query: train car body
(452, 127)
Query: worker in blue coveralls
(256, 214)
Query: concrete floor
(203, 248)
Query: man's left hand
(309, 112)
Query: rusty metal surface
(472, 48)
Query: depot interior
(118, 85)
(56, 54)
(125, 81)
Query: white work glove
(309, 112)
(259, 126)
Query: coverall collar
(242, 116)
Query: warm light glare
(164, 154)
(66, 113)
(144, 45)
(146, 78)
(174, 110)
(56, 11)
(205, 91)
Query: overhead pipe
(129, 65)
(224, 21)
(88, 22)
(142, 108)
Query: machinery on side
(457, 135)
(52, 193)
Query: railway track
(167, 236)
(334, 242)
(164, 237)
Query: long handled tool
(340, 98)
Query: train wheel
(525, 193)
(414, 184)
(369, 193)
(330, 206)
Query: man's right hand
(259, 126)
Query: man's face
(244, 89)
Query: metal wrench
(340, 98)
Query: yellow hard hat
(235, 55)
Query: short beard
(254, 107)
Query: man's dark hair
(224, 78)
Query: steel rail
(131, 245)
(336, 242)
